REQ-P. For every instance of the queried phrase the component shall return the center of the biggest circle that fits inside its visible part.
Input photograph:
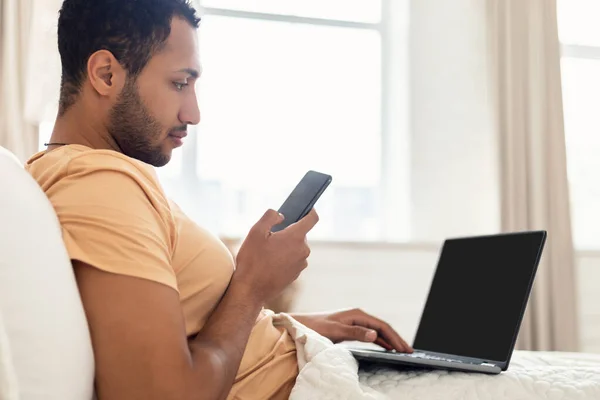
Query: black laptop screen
(477, 295)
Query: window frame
(394, 187)
(391, 173)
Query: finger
(301, 267)
(268, 220)
(392, 337)
(385, 331)
(306, 224)
(355, 332)
(383, 343)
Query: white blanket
(330, 372)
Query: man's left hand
(355, 325)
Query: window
(580, 37)
(289, 86)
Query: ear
(106, 75)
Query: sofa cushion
(9, 389)
(42, 312)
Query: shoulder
(78, 166)
(91, 161)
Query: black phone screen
(303, 198)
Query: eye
(180, 86)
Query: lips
(178, 134)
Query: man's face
(151, 115)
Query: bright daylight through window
(287, 86)
(580, 38)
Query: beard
(134, 128)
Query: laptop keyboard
(426, 356)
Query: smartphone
(303, 198)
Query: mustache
(182, 128)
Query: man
(171, 315)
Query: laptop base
(411, 361)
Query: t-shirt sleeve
(114, 219)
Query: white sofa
(45, 347)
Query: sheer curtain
(526, 83)
(17, 133)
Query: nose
(190, 113)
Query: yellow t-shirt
(115, 217)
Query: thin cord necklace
(55, 144)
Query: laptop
(475, 305)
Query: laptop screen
(478, 293)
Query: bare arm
(140, 343)
(138, 330)
(217, 351)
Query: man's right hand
(268, 262)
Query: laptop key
(425, 356)
(436, 358)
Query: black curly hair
(132, 30)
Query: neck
(81, 126)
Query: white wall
(392, 282)
(589, 299)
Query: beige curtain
(526, 85)
(16, 134)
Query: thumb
(269, 219)
(358, 333)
